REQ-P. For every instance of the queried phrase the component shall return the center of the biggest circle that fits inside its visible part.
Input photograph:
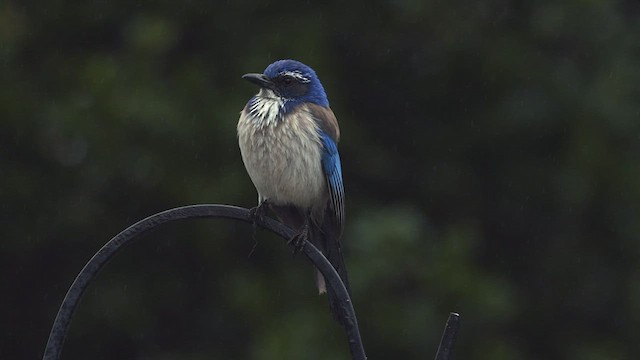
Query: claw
(300, 238)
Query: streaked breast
(283, 157)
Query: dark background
(490, 153)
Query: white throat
(267, 108)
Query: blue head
(292, 81)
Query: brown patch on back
(326, 119)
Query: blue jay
(288, 139)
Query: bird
(288, 137)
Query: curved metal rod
(69, 304)
(448, 340)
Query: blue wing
(333, 175)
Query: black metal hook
(448, 340)
(69, 304)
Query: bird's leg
(299, 239)
(257, 213)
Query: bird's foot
(257, 214)
(300, 238)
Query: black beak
(259, 79)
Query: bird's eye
(287, 80)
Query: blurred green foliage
(490, 154)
